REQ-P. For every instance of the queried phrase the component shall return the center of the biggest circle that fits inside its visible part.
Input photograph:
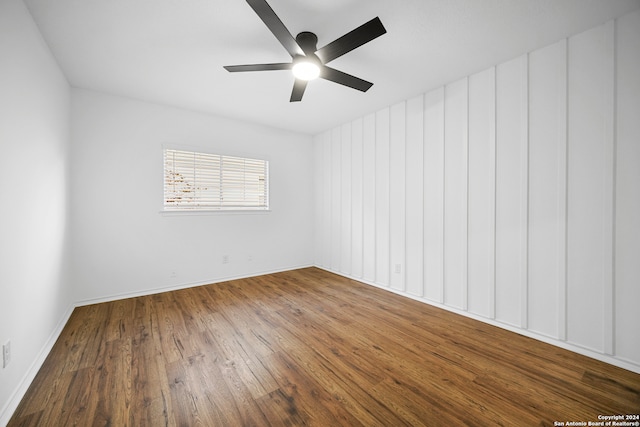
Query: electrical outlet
(398, 268)
(6, 354)
(225, 259)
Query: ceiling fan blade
(345, 79)
(258, 67)
(298, 90)
(353, 39)
(275, 25)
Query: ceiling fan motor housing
(308, 42)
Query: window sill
(215, 212)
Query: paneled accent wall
(511, 196)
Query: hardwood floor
(307, 347)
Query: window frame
(213, 210)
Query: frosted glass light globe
(306, 70)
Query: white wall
(123, 245)
(627, 195)
(35, 297)
(511, 196)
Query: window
(201, 181)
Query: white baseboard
(23, 386)
(20, 391)
(612, 360)
(179, 286)
(18, 394)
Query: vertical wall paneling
(512, 194)
(627, 220)
(589, 191)
(563, 162)
(547, 172)
(318, 188)
(346, 199)
(326, 200)
(511, 148)
(336, 200)
(369, 197)
(382, 198)
(415, 196)
(434, 195)
(608, 182)
(397, 163)
(524, 195)
(356, 200)
(455, 194)
(481, 258)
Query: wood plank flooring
(308, 347)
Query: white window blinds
(202, 181)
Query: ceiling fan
(309, 62)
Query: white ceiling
(172, 51)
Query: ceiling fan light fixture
(308, 62)
(306, 69)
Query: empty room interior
(438, 225)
